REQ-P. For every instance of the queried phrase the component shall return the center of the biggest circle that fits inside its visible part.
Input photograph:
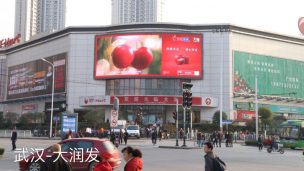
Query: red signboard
(245, 115)
(148, 55)
(154, 100)
(9, 42)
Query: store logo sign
(9, 41)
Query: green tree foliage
(2, 121)
(24, 120)
(250, 126)
(10, 119)
(95, 117)
(266, 116)
(216, 118)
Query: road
(238, 158)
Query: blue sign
(69, 122)
(227, 121)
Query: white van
(121, 125)
(133, 131)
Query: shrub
(1, 151)
(251, 143)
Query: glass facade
(142, 87)
(151, 114)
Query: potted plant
(1, 152)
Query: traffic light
(185, 99)
(187, 95)
(187, 86)
(174, 116)
(188, 113)
(189, 99)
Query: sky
(278, 16)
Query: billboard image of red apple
(148, 55)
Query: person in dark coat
(208, 149)
(121, 136)
(126, 136)
(154, 136)
(133, 159)
(14, 138)
(112, 137)
(56, 163)
(260, 143)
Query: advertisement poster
(148, 55)
(35, 78)
(276, 76)
(69, 122)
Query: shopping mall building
(144, 66)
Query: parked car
(133, 131)
(72, 147)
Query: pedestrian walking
(199, 139)
(121, 136)
(260, 143)
(160, 134)
(126, 136)
(112, 137)
(56, 162)
(103, 164)
(214, 138)
(219, 137)
(154, 136)
(212, 162)
(181, 133)
(133, 159)
(14, 138)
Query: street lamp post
(256, 110)
(52, 103)
(176, 122)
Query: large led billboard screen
(148, 55)
(275, 76)
(35, 78)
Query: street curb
(37, 138)
(179, 147)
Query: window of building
(155, 86)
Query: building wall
(79, 46)
(215, 48)
(262, 45)
(80, 80)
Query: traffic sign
(114, 118)
(227, 121)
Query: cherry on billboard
(35, 78)
(148, 55)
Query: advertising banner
(69, 122)
(35, 78)
(276, 76)
(244, 115)
(148, 55)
